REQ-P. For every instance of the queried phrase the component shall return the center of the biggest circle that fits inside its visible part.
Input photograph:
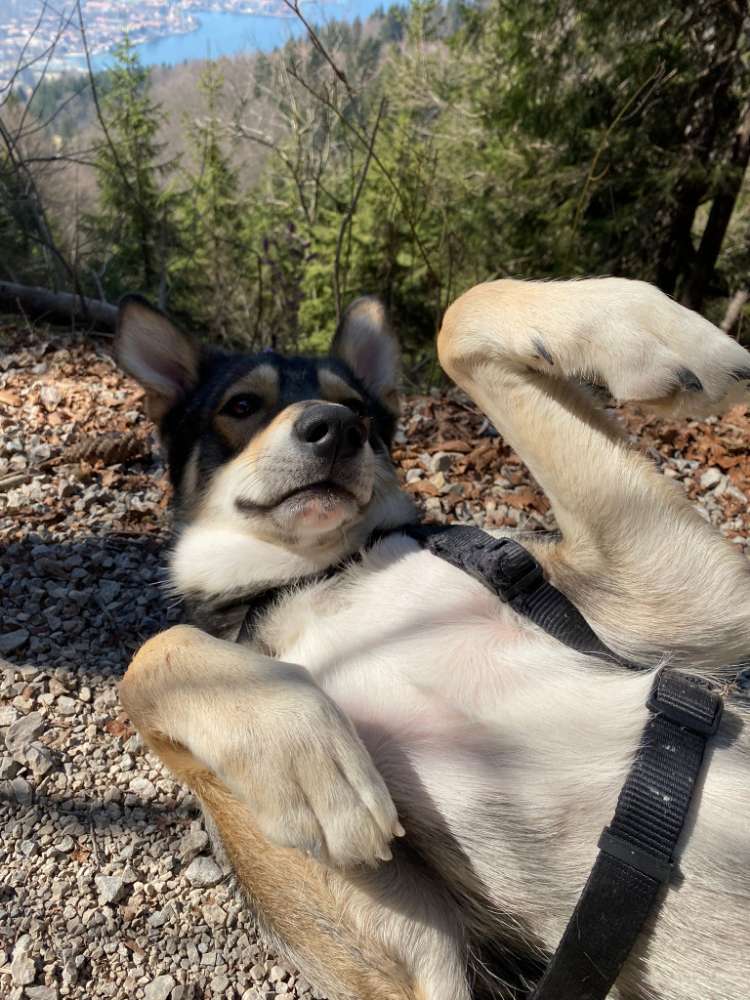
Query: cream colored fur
(403, 688)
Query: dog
(408, 777)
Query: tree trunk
(41, 303)
(734, 310)
(723, 29)
(718, 218)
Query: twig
(293, 5)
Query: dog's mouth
(324, 496)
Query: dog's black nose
(330, 431)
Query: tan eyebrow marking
(335, 388)
(263, 381)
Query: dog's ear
(365, 342)
(158, 355)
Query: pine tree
(134, 220)
(209, 269)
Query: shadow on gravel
(94, 813)
(84, 604)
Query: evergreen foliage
(133, 224)
(420, 152)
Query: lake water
(225, 34)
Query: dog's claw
(689, 380)
(398, 830)
(542, 351)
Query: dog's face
(289, 450)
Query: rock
(710, 478)
(214, 915)
(193, 843)
(8, 715)
(202, 873)
(50, 397)
(277, 974)
(143, 788)
(22, 968)
(159, 988)
(9, 768)
(109, 590)
(66, 705)
(21, 791)
(41, 992)
(258, 973)
(441, 461)
(39, 759)
(111, 888)
(11, 641)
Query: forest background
(412, 155)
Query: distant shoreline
(77, 62)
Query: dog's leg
(287, 781)
(649, 574)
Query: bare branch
(41, 303)
(293, 5)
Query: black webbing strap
(636, 850)
(504, 566)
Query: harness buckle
(686, 701)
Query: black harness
(636, 851)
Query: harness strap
(636, 851)
(504, 566)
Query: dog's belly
(470, 711)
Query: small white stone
(41, 992)
(203, 873)
(22, 968)
(111, 888)
(710, 478)
(159, 988)
(142, 787)
(24, 731)
(193, 843)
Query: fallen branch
(41, 303)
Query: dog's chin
(310, 511)
(316, 510)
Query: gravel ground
(107, 885)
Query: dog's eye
(356, 406)
(244, 404)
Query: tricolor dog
(409, 777)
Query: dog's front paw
(311, 784)
(656, 351)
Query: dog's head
(290, 451)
